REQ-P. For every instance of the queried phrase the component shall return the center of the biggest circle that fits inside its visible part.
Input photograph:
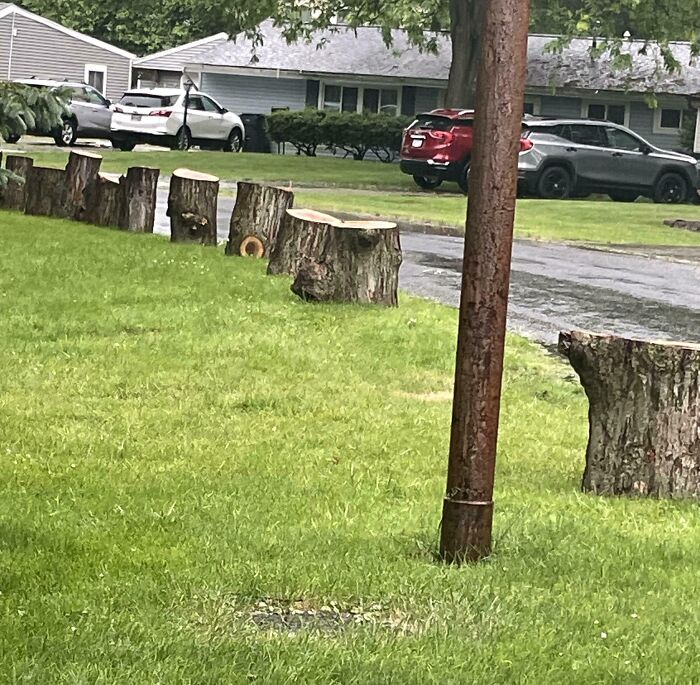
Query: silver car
(563, 158)
(89, 114)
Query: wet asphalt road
(553, 287)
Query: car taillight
(443, 136)
(160, 113)
(526, 144)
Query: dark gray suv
(563, 158)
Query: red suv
(437, 147)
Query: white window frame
(536, 101)
(97, 68)
(696, 147)
(360, 94)
(606, 104)
(658, 128)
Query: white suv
(157, 116)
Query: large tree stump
(644, 414)
(338, 261)
(82, 171)
(256, 219)
(192, 207)
(13, 196)
(139, 188)
(104, 202)
(45, 192)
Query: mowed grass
(181, 439)
(595, 221)
(281, 169)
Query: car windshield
(148, 100)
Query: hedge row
(353, 133)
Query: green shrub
(350, 132)
(300, 129)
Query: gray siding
(642, 122)
(426, 99)
(255, 94)
(46, 52)
(560, 106)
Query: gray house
(355, 71)
(31, 45)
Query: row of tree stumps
(330, 260)
(81, 193)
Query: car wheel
(671, 189)
(123, 145)
(67, 134)
(12, 139)
(623, 196)
(427, 182)
(234, 143)
(555, 183)
(183, 139)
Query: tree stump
(13, 196)
(139, 188)
(687, 224)
(192, 207)
(256, 219)
(644, 414)
(45, 192)
(82, 171)
(338, 261)
(104, 202)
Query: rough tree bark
(14, 194)
(104, 202)
(336, 261)
(466, 28)
(256, 219)
(192, 207)
(45, 192)
(82, 171)
(139, 188)
(644, 414)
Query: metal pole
(468, 506)
(188, 87)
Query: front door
(629, 166)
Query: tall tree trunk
(466, 27)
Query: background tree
(144, 26)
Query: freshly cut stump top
(195, 175)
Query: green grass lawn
(581, 220)
(282, 169)
(182, 439)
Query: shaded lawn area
(281, 169)
(594, 221)
(182, 439)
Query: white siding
(43, 51)
(255, 94)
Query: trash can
(257, 138)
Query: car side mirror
(108, 103)
(645, 149)
(224, 110)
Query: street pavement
(553, 286)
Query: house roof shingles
(362, 52)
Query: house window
(373, 99)
(668, 120)
(339, 98)
(96, 76)
(602, 111)
(380, 100)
